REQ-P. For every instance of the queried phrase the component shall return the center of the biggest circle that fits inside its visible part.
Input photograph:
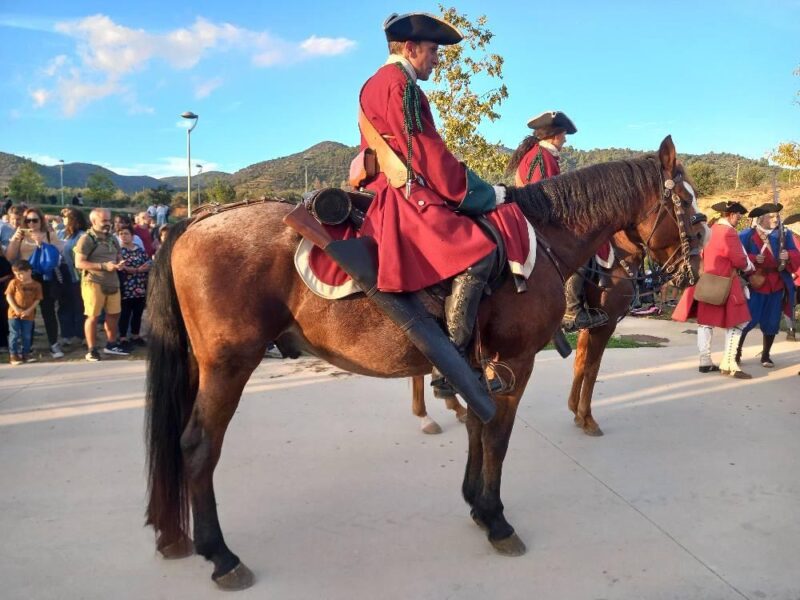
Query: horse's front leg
(218, 396)
(578, 368)
(426, 424)
(595, 347)
(487, 508)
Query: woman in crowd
(70, 306)
(34, 234)
(133, 285)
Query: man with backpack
(97, 255)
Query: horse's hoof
(579, 422)
(510, 546)
(428, 425)
(238, 578)
(592, 429)
(180, 549)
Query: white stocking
(704, 336)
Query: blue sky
(106, 82)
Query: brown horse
(202, 352)
(615, 300)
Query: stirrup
(584, 319)
(443, 389)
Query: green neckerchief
(411, 115)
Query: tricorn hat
(766, 209)
(420, 27)
(553, 119)
(729, 206)
(792, 219)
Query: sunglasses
(31, 220)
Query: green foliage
(787, 154)
(752, 176)
(221, 192)
(28, 184)
(462, 108)
(99, 188)
(705, 177)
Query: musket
(781, 232)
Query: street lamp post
(199, 172)
(189, 115)
(305, 164)
(61, 166)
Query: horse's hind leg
(218, 396)
(578, 369)
(595, 348)
(426, 424)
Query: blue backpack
(44, 260)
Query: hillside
(75, 175)
(328, 165)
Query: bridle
(677, 267)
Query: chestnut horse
(202, 352)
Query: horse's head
(672, 228)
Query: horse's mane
(580, 199)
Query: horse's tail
(171, 391)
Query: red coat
(421, 239)
(722, 255)
(547, 163)
(773, 281)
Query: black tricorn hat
(766, 209)
(553, 119)
(420, 27)
(792, 219)
(729, 206)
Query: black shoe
(708, 369)
(93, 355)
(766, 362)
(741, 375)
(115, 349)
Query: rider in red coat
(423, 228)
(536, 159)
(722, 256)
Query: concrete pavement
(327, 489)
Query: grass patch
(614, 342)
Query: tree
(460, 107)
(704, 176)
(221, 192)
(787, 154)
(752, 176)
(28, 184)
(99, 188)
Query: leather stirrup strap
(388, 162)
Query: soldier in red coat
(536, 159)
(722, 256)
(772, 250)
(423, 227)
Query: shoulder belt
(388, 162)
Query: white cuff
(499, 194)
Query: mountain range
(327, 164)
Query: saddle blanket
(326, 279)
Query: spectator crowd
(79, 271)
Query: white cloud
(42, 159)
(40, 97)
(169, 166)
(322, 46)
(56, 64)
(108, 52)
(204, 88)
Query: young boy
(23, 295)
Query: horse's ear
(666, 154)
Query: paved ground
(327, 489)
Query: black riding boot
(577, 316)
(740, 347)
(766, 361)
(460, 313)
